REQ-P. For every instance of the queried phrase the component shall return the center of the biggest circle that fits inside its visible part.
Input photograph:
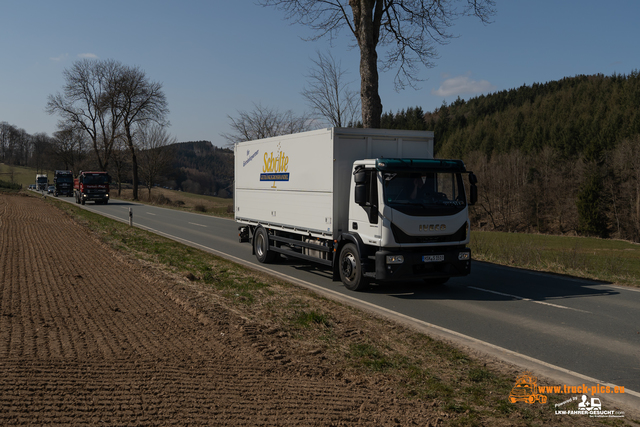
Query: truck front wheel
(351, 268)
(261, 246)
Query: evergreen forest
(557, 158)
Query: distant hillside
(202, 168)
(572, 116)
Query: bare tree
(120, 162)
(69, 146)
(411, 29)
(329, 95)
(40, 144)
(155, 152)
(265, 122)
(626, 167)
(140, 101)
(88, 103)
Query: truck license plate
(432, 258)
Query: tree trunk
(366, 17)
(134, 161)
(134, 167)
(369, 96)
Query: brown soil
(87, 337)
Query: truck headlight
(395, 259)
(464, 256)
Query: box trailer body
(308, 195)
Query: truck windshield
(64, 178)
(42, 180)
(96, 179)
(424, 193)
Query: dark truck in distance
(92, 186)
(63, 181)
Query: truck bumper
(423, 264)
(95, 197)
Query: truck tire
(261, 246)
(81, 200)
(350, 268)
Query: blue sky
(217, 57)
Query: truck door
(364, 207)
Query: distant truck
(371, 204)
(63, 183)
(92, 186)
(42, 182)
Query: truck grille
(401, 237)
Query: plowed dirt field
(86, 338)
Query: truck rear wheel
(351, 268)
(261, 246)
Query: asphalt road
(564, 326)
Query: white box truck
(371, 204)
(42, 182)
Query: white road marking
(199, 225)
(528, 299)
(149, 213)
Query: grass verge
(461, 390)
(612, 261)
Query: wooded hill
(559, 157)
(202, 168)
(573, 116)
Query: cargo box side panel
(286, 180)
(296, 211)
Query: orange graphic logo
(526, 390)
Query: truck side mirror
(473, 189)
(473, 197)
(360, 177)
(473, 179)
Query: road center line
(149, 213)
(528, 299)
(199, 225)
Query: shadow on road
(487, 282)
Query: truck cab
(408, 219)
(92, 186)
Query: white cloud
(88, 55)
(60, 58)
(462, 85)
